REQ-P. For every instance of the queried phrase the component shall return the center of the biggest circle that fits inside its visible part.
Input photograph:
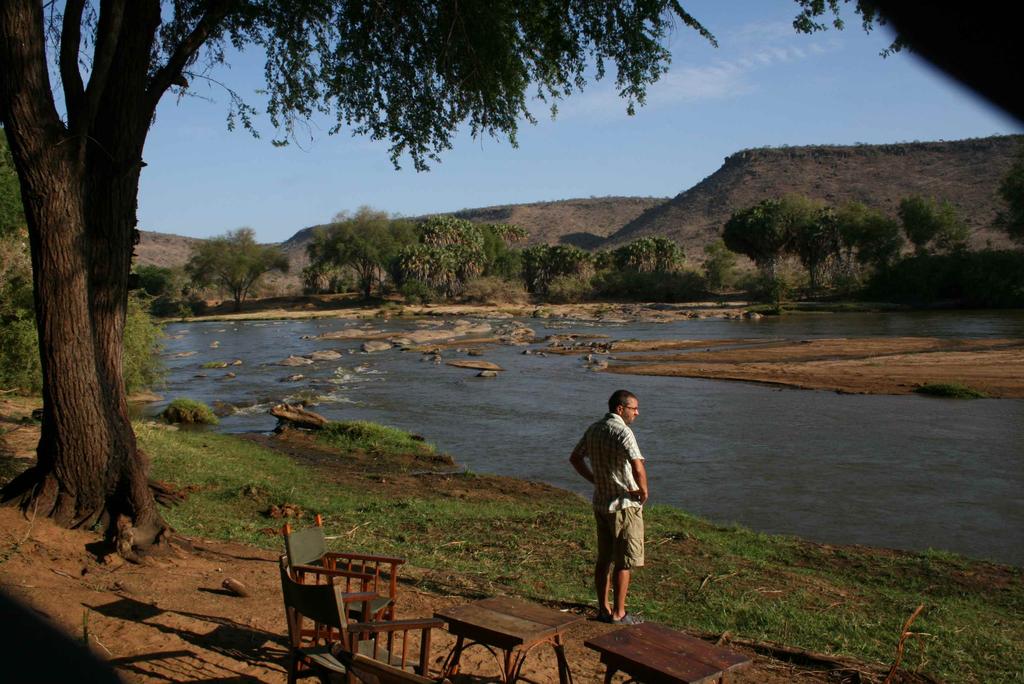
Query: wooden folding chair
(312, 562)
(327, 605)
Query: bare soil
(169, 619)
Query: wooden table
(514, 627)
(656, 654)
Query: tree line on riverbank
(799, 247)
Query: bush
(142, 366)
(19, 351)
(19, 354)
(495, 290)
(170, 307)
(678, 286)
(989, 278)
(418, 292)
(569, 289)
(157, 281)
(190, 412)
(950, 390)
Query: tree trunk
(79, 188)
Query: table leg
(510, 670)
(451, 664)
(564, 673)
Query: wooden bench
(655, 654)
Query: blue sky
(763, 85)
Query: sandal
(628, 619)
(604, 616)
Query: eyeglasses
(632, 408)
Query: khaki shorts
(620, 538)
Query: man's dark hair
(619, 398)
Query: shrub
(169, 307)
(157, 281)
(718, 266)
(950, 390)
(989, 278)
(142, 366)
(495, 290)
(19, 354)
(568, 289)
(190, 412)
(19, 351)
(418, 292)
(651, 287)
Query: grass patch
(190, 412)
(486, 535)
(358, 435)
(950, 390)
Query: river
(906, 472)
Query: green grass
(848, 601)
(372, 438)
(950, 390)
(189, 411)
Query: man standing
(620, 489)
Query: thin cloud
(752, 47)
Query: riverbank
(467, 535)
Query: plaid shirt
(610, 447)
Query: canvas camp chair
(326, 604)
(312, 562)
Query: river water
(906, 472)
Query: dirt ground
(883, 365)
(170, 620)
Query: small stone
(487, 374)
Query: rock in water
(478, 365)
(375, 346)
(295, 361)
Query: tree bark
(79, 184)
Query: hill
(964, 172)
(163, 249)
(581, 222)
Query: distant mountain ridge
(964, 172)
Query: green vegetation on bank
(372, 438)
(950, 390)
(189, 412)
(700, 576)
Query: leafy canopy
(933, 225)
(412, 72)
(12, 214)
(366, 243)
(234, 262)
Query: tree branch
(166, 75)
(107, 33)
(26, 101)
(70, 76)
